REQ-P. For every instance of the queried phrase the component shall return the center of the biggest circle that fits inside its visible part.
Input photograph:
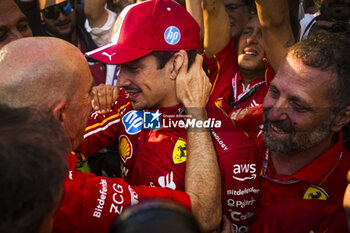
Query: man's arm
(217, 31)
(276, 29)
(202, 178)
(195, 9)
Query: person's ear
(342, 119)
(59, 111)
(177, 62)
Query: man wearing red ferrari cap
(148, 121)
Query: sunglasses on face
(53, 12)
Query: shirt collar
(316, 171)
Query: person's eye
(231, 8)
(132, 68)
(247, 32)
(298, 107)
(23, 26)
(273, 92)
(3, 35)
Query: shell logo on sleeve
(125, 148)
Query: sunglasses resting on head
(53, 12)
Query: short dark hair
(32, 167)
(164, 56)
(155, 215)
(328, 51)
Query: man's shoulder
(227, 136)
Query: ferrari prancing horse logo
(180, 152)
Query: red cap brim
(117, 54)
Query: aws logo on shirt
(247, 169)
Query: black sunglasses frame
(53, 12)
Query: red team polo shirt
(227, 82)
(310, 200)
(222, 67)
(91, 203)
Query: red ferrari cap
(155, 25)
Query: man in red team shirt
(277, 35)
(304, 162)
(156, 156)
(52, 75)
(238, 73)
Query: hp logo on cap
(172, 35)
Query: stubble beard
(295, 142)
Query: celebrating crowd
(219, 116)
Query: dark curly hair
(164, 56)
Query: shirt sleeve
(91, 203)
(102, 130)
(222, 68)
